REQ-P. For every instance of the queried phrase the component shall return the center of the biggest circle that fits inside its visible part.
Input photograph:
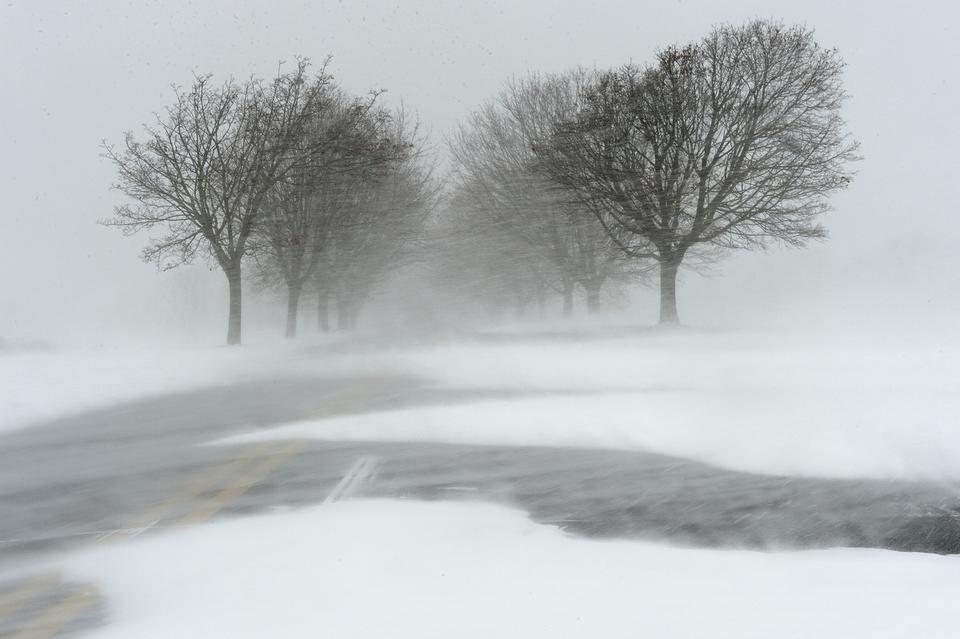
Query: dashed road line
(358, 473)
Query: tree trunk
(354, 315)
(593, 297)
(520, 307)
(567, 299)
(668, 292)
(323, 309)
(293, 305)
(236, 302)
(343, 315)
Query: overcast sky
(76, 73)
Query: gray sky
(75, 73)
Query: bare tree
(205, 168)
(478, 262)
(304, 209)
(383, 218)
(730, 142)
(497, 169)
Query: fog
(78, 74)
(488, 422)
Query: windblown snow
(777, 404)
(369, 569)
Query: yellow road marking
(52, 620)
(347, 398)
(19, 597)
(340, 400)
(194, 489)
(55, 618)
(216, 503)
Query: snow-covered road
(509, 489)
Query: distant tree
(204, 170)
(497, 169)
(481, 264)
(304, 209)
(731, 142)
(383, 218)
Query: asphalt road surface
(140, 467)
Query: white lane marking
(360, 472)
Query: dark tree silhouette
(304, 209)
(731, 142)
(204, 169)
(498, 177)
(482, 264)
(383, 216)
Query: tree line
(731, 142)
(294, 173)
(560, 183)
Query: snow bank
(688, 360)
(45, 384)
(401, 569)
(843, 405)
(779, 435)
(766, 403)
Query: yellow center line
(348, 398)
(216, 503)
(195, 488)
(52, 620)
(13, 601)
(55, 618)
(341, 400)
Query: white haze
(835, 361)
(75, 73)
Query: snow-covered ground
(842, 405)
(834, 406)
(371, 569)
(44, 384)
(782, 433)
(763, 402)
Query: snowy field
(765, 402)
(807, 404)
(473, 570)
(40, 385)
(777, 403)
